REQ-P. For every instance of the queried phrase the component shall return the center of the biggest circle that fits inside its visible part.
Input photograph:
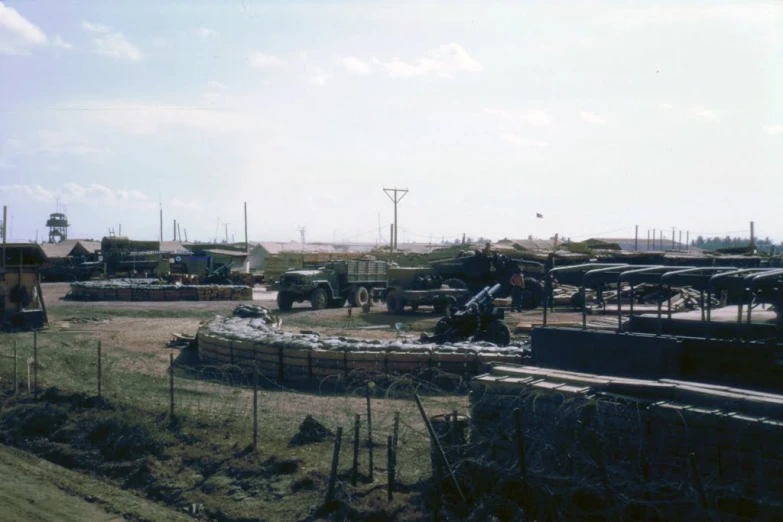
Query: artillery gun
(476, 320)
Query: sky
(599, 116)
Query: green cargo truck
(332, 284)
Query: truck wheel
(361, 296)
(456, 283)
(498, 333)
(394, 304)
(319, 299)
(285, 301)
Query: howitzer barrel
(485, 295)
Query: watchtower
(58, 227)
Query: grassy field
(203, 456)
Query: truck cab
(317, 286)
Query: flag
(539, 215)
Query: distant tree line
(715, 243)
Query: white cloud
(59, 42)
(146, 119)
(65, 143)
(205, 33)
(356, 66)
(497, 113)
(95, 28)
(536, 118)
(592, 118)
(524, 142)
(260, 60)
(773, 129)
(187, 205)
(109, 42)
(706, 114)
(212, 84)
(445, 59)
(17, 34)
(26, 192)
(319, 77)
(667, 106)
(71, 193)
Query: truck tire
(498, 333)
(361, 297)
(318, 299)
(394, 304)
(456, 283)
(285, 301)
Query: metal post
(653, 234)
(687, 240)
(648, 240)
(391, 237)
(679, 247)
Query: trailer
(413, 287)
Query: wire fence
(557, 458)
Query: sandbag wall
(136, 291)
(648, 436)
(307, 357)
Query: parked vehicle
(333, 284)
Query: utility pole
(395, 199)
(648, 240)
(120, 229)
(679, 247)
(247, 247)
(175, 230)
(636, 239)
(391, 237)
(226, 224)
(653, 239)
(673, 243)
(302, 230)
(752, 235)
(660, 241)
(687, 240)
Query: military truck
(419, 286)
(333, 284)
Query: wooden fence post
(171, 385)
(356, 435)
(369, 433)
(335, 461)
(520, 444)
(99, 368)
(396, 429)
(255, 408)
(434, 439)
(35, 363)
(16, 374)
(390, 466)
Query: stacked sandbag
(307, 356)
(152, 290)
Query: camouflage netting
(151, 290)
(303, 356)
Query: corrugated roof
(293, 246)
(232, 253)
